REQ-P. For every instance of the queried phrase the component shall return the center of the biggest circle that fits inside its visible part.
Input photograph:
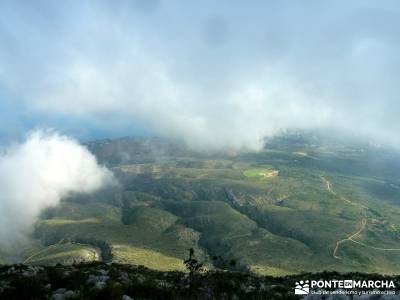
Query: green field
(67, 253)
(261, 172)
(277, 212)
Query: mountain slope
(299, 205)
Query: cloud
(218, 75)
(38, 173)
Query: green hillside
(299, 205)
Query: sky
(214, 74)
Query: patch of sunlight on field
(269, 271)
(261, 173)
(146, 257)
(64, 254)
(140, 168)
(69, 221)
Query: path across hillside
(364, 222)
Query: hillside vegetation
(116, 281)
(300, 205)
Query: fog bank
(37, 174)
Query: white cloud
(267, 67)
(38, 173)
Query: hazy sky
(213, 73)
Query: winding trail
(329, 188)
(97, 256)
(349, 238)
(364, 222)
(43, 250)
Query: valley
(274, 212)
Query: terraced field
(298, 205)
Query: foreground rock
(115, 281)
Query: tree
(192, 264)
